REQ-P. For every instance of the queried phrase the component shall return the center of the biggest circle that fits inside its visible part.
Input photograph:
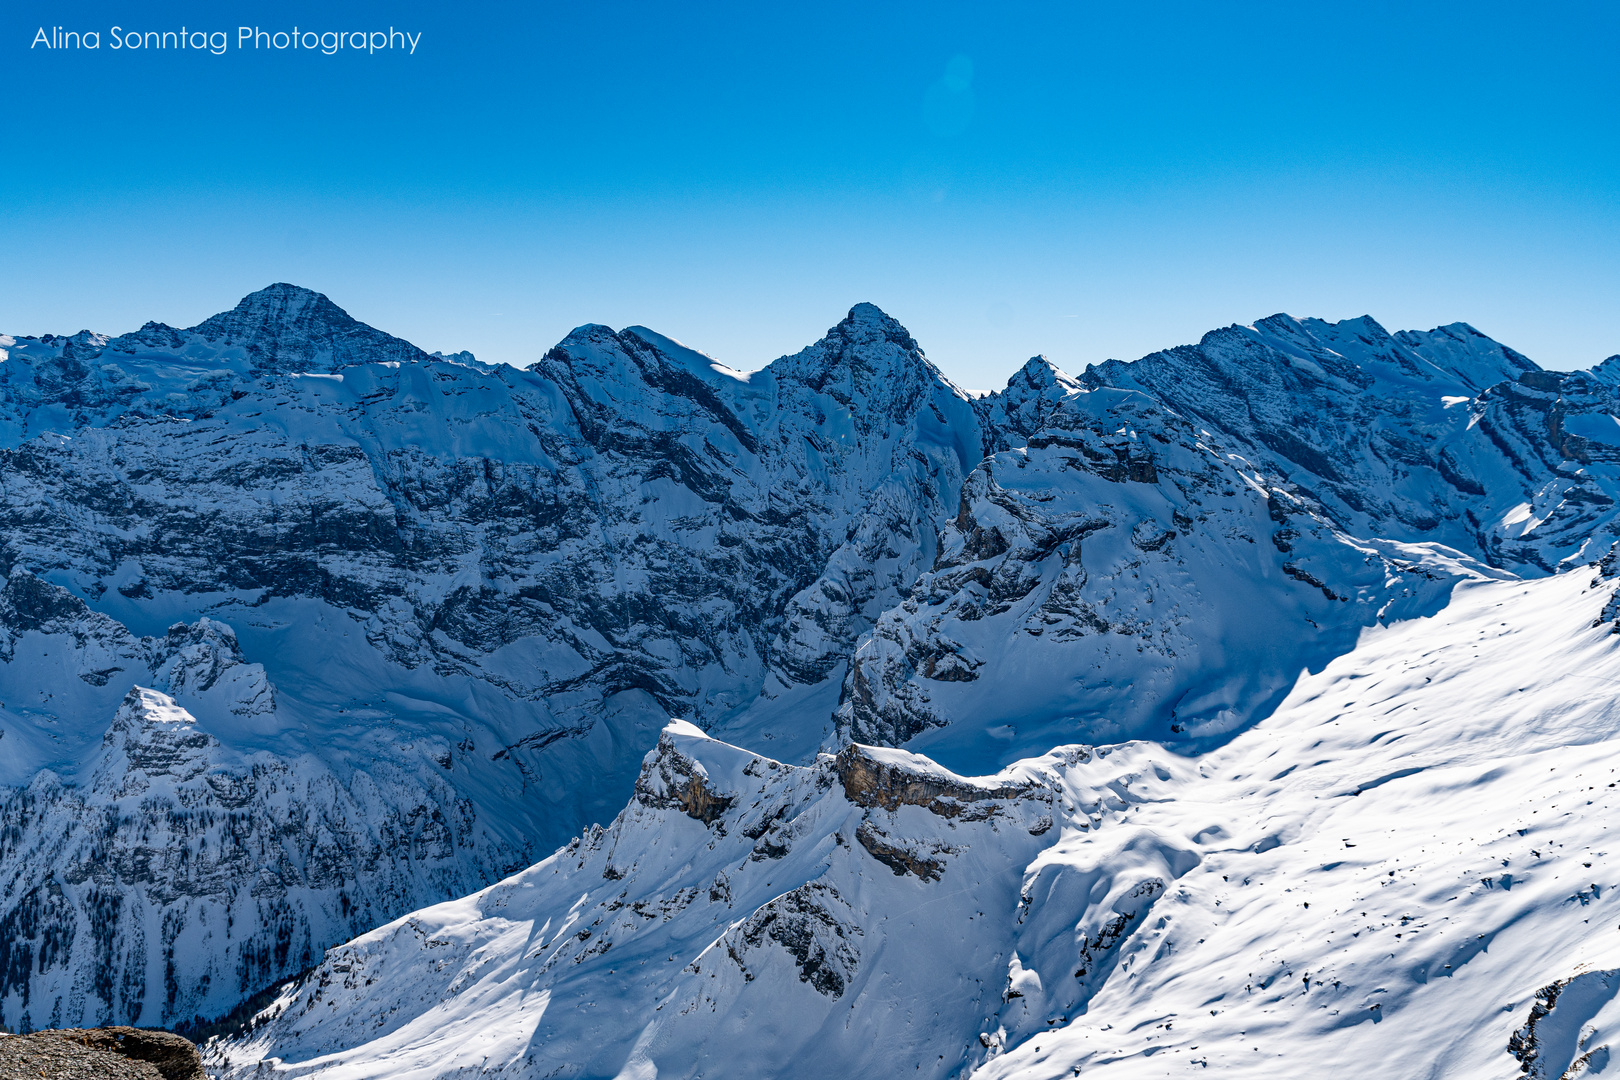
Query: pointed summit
(272, 308)
(151, 740)
(866, 319)
(286, 328)
(1038, 373)
(868, 363)
(143, 706)
(1608, 371)
(1031, 396)
(1366, 325)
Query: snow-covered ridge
(1363, 421)
(1409, 859)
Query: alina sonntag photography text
(219, 42)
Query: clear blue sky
(1083, 180)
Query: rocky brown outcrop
(110, 1053)
(671, 779)
(869, 781)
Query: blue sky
(1080, 180)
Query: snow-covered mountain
(1244, 507)
(305, 628)
(1408, 862)
(473, 594)
(1444, 436)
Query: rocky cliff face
(779, 882)
(427, 614)
(179, 876)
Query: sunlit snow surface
(1381, 876)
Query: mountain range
(311, 636)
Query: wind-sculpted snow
(1409, 862)
(452, 604)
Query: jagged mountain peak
(1365, 325)
(593, 349)
(1460, 330)
(1475, 359)
(588, 332)
(272, 307)
(1279, 323)
(288, 328)
(1358, 341)
(602, 371)
(1356, 355)
(868, 326)
(283, 295)
(1039, 373)
(151, 738)
(1029, 400)
(866, 340)
(84, 343)
(870, 365)
(867, 313)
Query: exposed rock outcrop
(876, 778)
(109, 1053)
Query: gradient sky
(1081, 180)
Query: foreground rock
(114, 1053)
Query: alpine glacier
(304, 629)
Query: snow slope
(1406, 863)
